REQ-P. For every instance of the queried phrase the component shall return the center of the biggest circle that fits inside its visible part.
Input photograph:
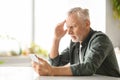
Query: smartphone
(34, 58)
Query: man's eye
(71, 26)
(74, 26)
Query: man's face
(76, 28)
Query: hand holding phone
(34, 58)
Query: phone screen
(34, 58)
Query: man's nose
(69, 30)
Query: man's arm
(62, 59)
(58, 34)
(61, 71)
(54, 50)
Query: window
(34, 20)
(15, 21)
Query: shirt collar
(85, 42)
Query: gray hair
(80, 12)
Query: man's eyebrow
(71, 25)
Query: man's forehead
(71, 20)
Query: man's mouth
(73, 37)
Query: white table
(95, 77)
(27, 73)
(17, 73)
(13, 69)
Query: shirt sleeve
(97, 51)
(61, 59)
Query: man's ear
(87, 22)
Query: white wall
(112, 25)
(16, 19)
(48, 13)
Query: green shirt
(97, 55)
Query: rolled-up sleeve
(61, 59)
(96, 52)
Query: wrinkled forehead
(73, 19)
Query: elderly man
(90, 52)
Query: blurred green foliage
(116, 9)
(34, 48)
(1, 62)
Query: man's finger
(41, 60)
(62, 23)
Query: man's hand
(43, 69)
(59, 33)
(59, 30)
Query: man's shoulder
(98, 34)
(100, 37)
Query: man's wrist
(51, 71)
(56, 39)
(60, 71)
